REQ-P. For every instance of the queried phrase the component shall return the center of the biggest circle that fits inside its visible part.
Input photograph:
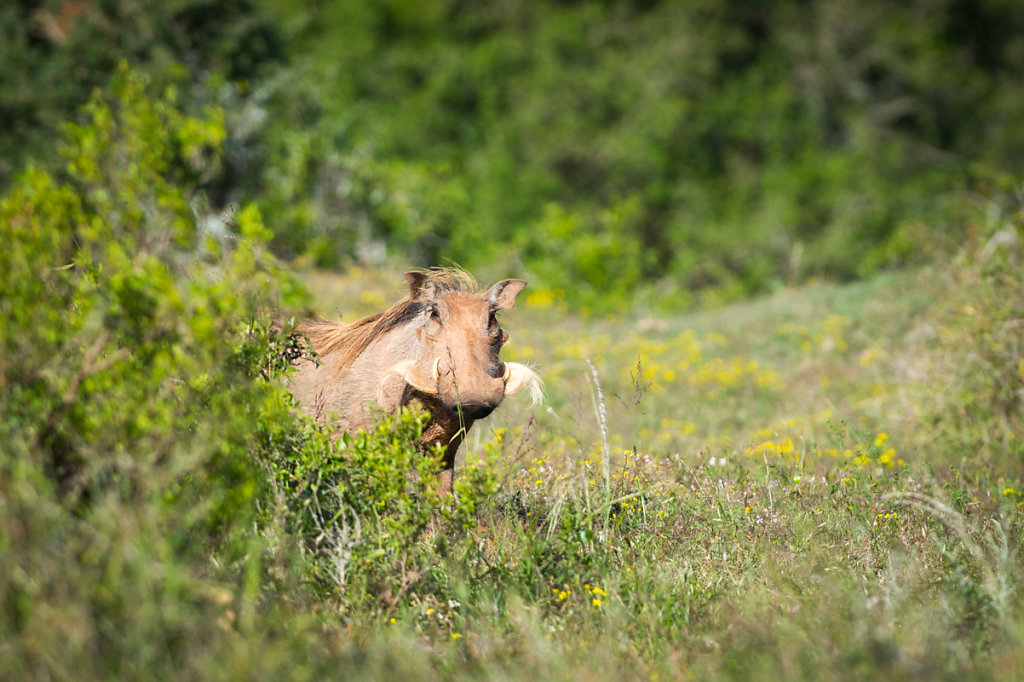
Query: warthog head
(453, 353)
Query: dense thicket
(132, 395)
(719, 145)
(714, 146)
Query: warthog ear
(421, 288)
(503, 294)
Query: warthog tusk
(521, 378)
(406, 372)
(437, 369)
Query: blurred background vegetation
(821, 483)
(693, 153)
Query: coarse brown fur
(352, 339)
(439, 346)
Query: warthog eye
(435, 314)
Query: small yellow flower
(1009, 491)
(881, 438)
(393, 621)
(456, 635)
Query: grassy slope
(822, 484)
(714, 382)
(765, 498)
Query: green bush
(610, 149)
(165, 512)
(361, 506)
(131, 396)
(55, 53)
(622, 153)
(164, 509)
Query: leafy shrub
(131, 394)
(698, 153)
(56, 52)
(360, 505)
(608, 150)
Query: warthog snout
(476, 410)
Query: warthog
(439, 345)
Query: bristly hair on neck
(351, 340)
(447, 279)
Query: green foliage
(624, 152)
(606, 255)
(361, 505)
(979, 412)
(717, 147)
(130, 397)
(56, 52)
(823, 484)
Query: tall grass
(764, 491)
